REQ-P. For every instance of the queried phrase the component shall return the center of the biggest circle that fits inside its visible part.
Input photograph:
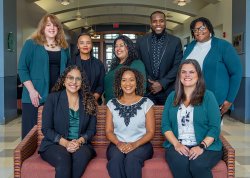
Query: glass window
(109, 55)
(110, 36)
(96, 52)
(131, 36)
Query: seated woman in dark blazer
(69, 123)
(191, 125)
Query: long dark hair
(132, 52)
(198, 93)
(205, 22)
(89, 102)
(118, 78)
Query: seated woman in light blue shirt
(130, 126)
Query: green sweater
(206, 120)
(221, 69)
(34, 66)
(109, 78)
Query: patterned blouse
(129, 120)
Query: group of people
(197, 88)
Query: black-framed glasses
(199, 29)
(72, 79)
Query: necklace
(51, 45)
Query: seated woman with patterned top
(191, 125)
(130, 126)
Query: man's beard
(159, 35)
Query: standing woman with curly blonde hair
(43, 58)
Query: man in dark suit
(161, 54)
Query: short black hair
(157, 12)
(205, 22)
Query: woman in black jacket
(93, 67)
(69, 123)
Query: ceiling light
(91, 31)
(65, 2)
(86, 25)
(181, 2)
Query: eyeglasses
(200, 29)
(120, 46)
(72, 79)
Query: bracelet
(204, 143)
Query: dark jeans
(182, 167)
(68, 165)
(129, 165)
(29, 118)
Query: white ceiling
(133, 12)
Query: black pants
(68, 165)
(29, 118)
(129, 165)
(182, 167)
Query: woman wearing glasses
(191, 125)
(125, 55)
(69, 123)
(219, 62)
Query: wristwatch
(202, 146)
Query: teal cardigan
(221, 69)
(110, 77)
(206, 120)
(34, 66)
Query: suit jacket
(55, 122)
(96, 82)
(171, 58)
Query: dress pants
(29, 118)
(68, 165)
(121, 165)
(182, 167)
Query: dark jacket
(171, 58)
(55, 123)
(97, 73)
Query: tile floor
(234, 131)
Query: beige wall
(220, 15)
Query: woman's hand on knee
(195, 152)
(182, 149)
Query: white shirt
(185, 119)
(200, 51)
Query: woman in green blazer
(43, 58)
(219, 61)
(191, 125)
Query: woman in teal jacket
(191, 125)
(219, 62)
(43, 58)
(125, 55)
